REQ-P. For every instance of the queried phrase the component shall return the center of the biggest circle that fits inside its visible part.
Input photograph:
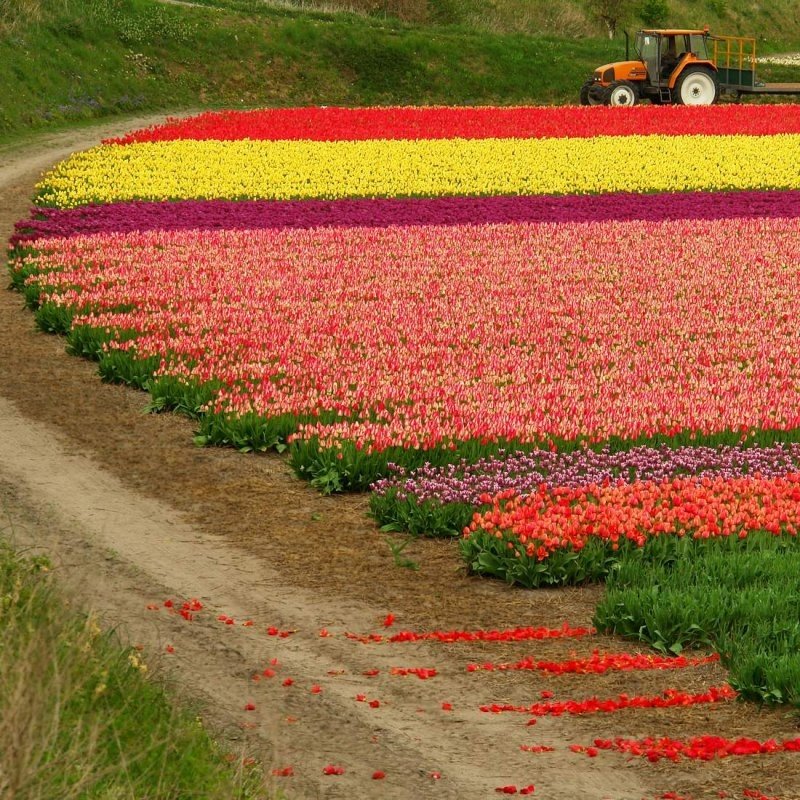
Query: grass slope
(72, 60)
(772, 23)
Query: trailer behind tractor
(688, 67)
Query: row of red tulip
(447, 122)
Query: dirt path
(133, 514)
(136, 551)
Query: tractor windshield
(699, 46)
(647, 48)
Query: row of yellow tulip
(305, 169)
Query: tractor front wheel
(622, 93)
(697, 86)
(589, 93)
(592, 93)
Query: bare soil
(133, 513)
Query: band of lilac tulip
(384, 212)
(525, 472)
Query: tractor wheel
(697, 86)
(622, 93)
(594, 99)
(591, 93)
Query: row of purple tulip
(465, 482)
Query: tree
(610, 13)
(654, 13)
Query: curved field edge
(746, 615)
(350, 468)
(671, 594)
(75, 704)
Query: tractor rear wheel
(622, 93)
(697, 86)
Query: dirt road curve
(133, 514)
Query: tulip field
(566, 336)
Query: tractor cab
(663, 51)
(672, 66)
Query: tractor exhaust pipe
(627, 46)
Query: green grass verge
(79, 718)
(741, 597)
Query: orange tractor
(688, 67)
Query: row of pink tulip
(421, 336)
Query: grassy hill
(69, 60)
(777, 20)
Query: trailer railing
(735, 59)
